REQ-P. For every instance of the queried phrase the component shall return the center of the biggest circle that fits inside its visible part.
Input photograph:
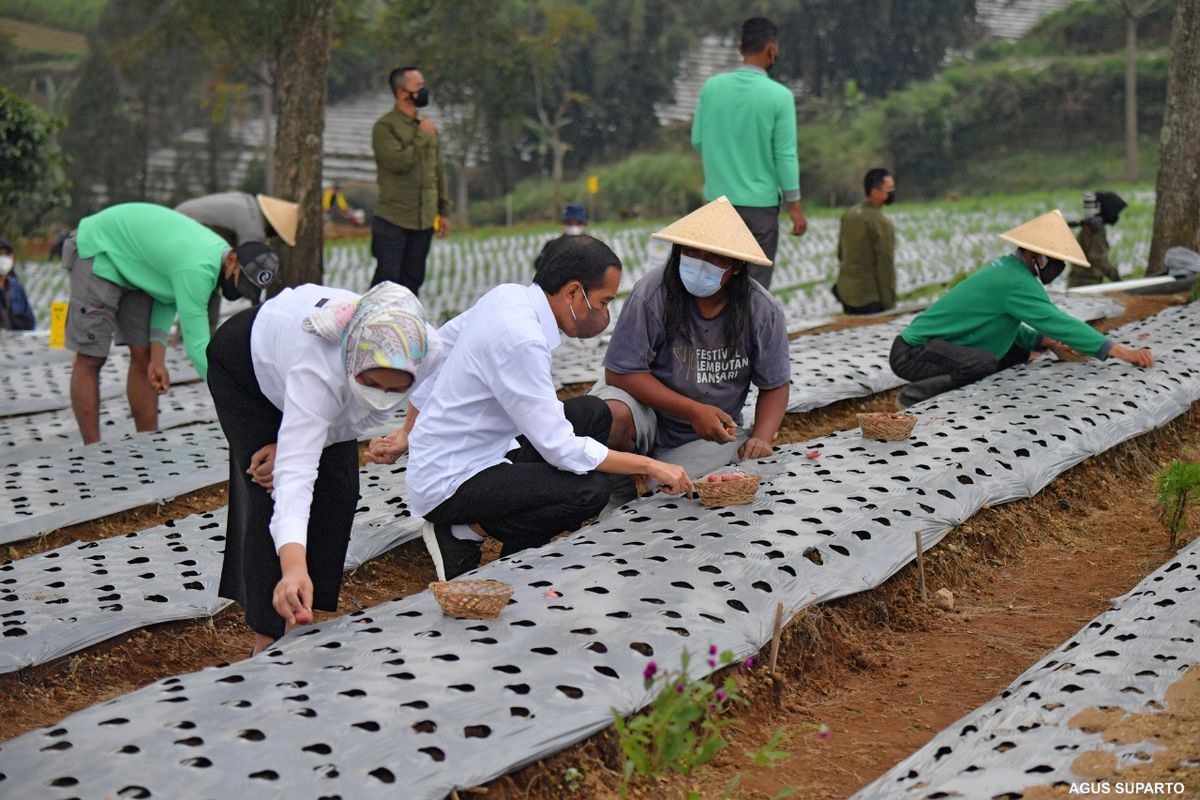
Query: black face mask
(593, 324)
(891, 198)
(1054, 267)
(244, 288)
(420, 98)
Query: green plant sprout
(682, 729)
(1178, 486)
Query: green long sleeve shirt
(170, 257)
(1002, 304)
(866, 257)
(745, 131)
(408, 168)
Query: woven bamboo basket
(886, 426)
(472, 599)
(727, 493)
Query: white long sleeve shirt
(303, 376)
(492, 384)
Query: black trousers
(529, 502)
(250, 421)
(400, 253)
(763, 223)
(938, 357)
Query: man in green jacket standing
(413, 197)
(994, 318)
(745, 131)
(866, 281)
(133, 267)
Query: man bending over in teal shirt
(133, 267)
(994, 318)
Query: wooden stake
(920, 564)
(775, 634)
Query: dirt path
(885, 672)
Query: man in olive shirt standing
(866, 282)
(412, 185)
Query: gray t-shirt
(236, 212)
(711, 370)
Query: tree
(1177, 210)
(1135, 11)
(629, 66)
(556, 35)
(286, 44)
(138, 90)
(881, 44)
(301, 60)
(32, 181)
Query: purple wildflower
(720, 696)
(712, 662)
(679, 688)
(650, 671)
(748, 663)
(712, 649)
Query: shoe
(451, 556)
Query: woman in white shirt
(296, 381)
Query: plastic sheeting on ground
(45, 385)
(61, 601)
(89, 482)
(20, 348)
(31, 436)
(1125, 659)
(400, 693)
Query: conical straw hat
(283, 216)
(1050, 236)
(716, 228)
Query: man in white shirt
(466, 474)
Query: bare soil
(885, 672)
(882, 670)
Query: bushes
(647, 184)
(976, 114)
(1085, 28)
(72, 15)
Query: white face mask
(376, 399)
(6, 265)
(573, 230)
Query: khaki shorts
(698, 457)
(100, 310)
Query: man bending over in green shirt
(994, 318)
(133, 267)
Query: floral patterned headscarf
(384, 328)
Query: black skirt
(250, 421)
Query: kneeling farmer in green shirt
(133, 267)
(994, 318)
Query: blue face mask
(700, 278)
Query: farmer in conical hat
(994, 318)
(690, 340)
(238, 218)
